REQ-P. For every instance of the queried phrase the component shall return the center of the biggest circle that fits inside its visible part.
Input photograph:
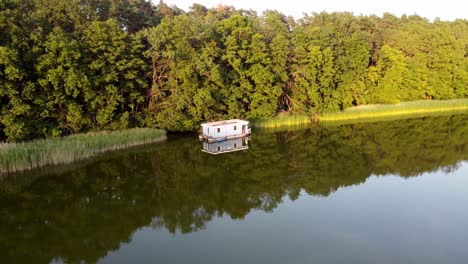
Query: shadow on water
(84, 211)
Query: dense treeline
(80, 65)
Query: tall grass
(282, 121)
(406, 109)
(368, 113)
(16, 157)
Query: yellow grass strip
(369, 113)
(416, 108)
(282, 121)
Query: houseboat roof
(226, 122)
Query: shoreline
(409, 109)
(369, 113)
(26, 156)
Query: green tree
(391, 69)
(276, 30)
(135, 15)
(62, 82)
(186, 81)
(17, 53)
(116, 73)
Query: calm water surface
(386, 192)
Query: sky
(447, 10)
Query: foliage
(87, 65)
(64, 74)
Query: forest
(74, 66)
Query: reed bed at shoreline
(389, 118)
(405, 109)
(282, 121)
(369, 113)
(17, 157)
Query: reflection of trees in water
(83, 214)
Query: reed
(17, 157)
(369, 113)
(406, 109)
(282, 121)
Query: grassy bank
(16, 157)
(370, 113)
(282, 121)
(406, 109)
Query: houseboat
(224, 130)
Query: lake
(384, 192)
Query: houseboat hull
(220, 139)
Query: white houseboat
(224, 130)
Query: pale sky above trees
(445, 10)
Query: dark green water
(387, 192)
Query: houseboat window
(219, 130)
(219, 147)
(235, 127)
(235, 145)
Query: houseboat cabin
(223, 130)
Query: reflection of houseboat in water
(225, 146)
(224, 130)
